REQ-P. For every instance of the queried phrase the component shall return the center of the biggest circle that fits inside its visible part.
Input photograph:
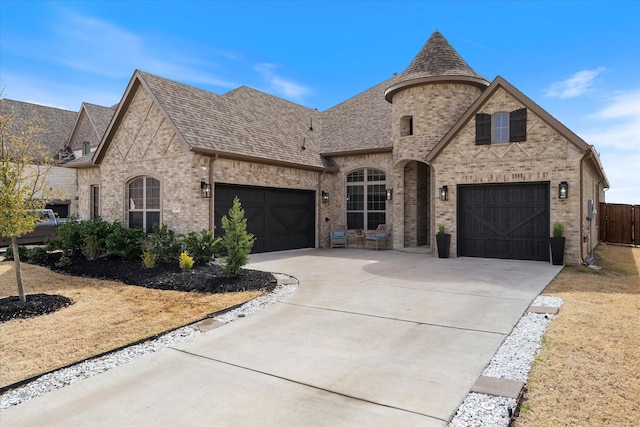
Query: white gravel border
(513, 362)
(65, 376)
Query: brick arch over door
(508, 221)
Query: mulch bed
(165, 276)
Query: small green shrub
(124, 242)
(22, 253)
(441, 229)
(64, 261)
(70, 238)
(236, 240)
(148, 259)
(558, 229)
(164, 243)
(185, 261)
(202, 247)
(37, 255)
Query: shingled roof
(57, 123)
(99, 116)
(359, 124)
(436, 61)
(244, 123)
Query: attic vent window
(406, 126)
(501, 127)
(86, 148)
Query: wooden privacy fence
(620, 223)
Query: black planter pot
(443, 240)
(557, 250)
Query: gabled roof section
(500, 82)
(242, 124)
(359, 124)
(437, 61)
(99, 116)
(57, 123)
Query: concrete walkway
(368, 339)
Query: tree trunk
(16, 260)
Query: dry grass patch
(588, 370)
(105, 315)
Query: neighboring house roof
(99, 116)
(360, 124)
(436, 61)
(500, 82)
(56, 122)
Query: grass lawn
(105, 315)
(587, 372)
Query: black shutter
(483, 129)
(518, 125)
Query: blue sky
(580, 61)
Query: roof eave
(358, 152)
(261, 160)
(418, 81)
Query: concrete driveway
(368, 339)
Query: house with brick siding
(435, 145)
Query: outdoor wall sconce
(325, 197)
(563, 190)
(389, 194)
(205, 190)
(444, 193)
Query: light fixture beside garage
(444, 193)
(563, 190)
(205, 190)
(325, 197)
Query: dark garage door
(279, 218)
(509, 221)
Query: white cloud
(574, 86)
(623, 175)
(280, 85)
(617, 125)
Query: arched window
(143, 194)
(366, 199)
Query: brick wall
(546, 156)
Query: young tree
(236, 240)
(24, 164)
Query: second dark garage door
(509, 221)
(280, 219)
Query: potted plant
(444, 240)
(557, 242)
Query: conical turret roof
(437, 61)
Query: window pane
(153, 193)
(376, 197)
(501, 128)
(136, 192)
(374, 219)
(135, 220)
(356, 176)
(355, 195)
(152, 218)
(375, 175)
(355, 220)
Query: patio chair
(379, 237)
(339, 236)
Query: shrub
(37, 255)
(236, 240)
(22, 252)
(148, 259)
(70, 238)
(185, 261)
(64, 261)
(202, 247)
(558, 229)
(94, 235)
(164, 243)
(124, 242)
(441, 229)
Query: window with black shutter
(518, 125)
(483, 129)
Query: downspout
(582, 162)
(212, 198)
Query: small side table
(360, 238)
